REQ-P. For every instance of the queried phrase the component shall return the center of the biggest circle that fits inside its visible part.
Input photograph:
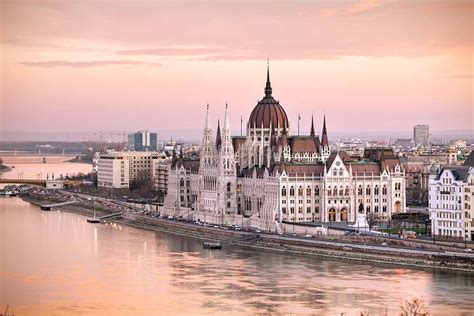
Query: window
(316, 191)
(367, 190)
(376, 190)
(283, 210)
(300, 191)
(292, 210)
(359, 190)
(341, 192)
(283, 191)
(292, 191)
(228, 186)
(308, 210)
(329, 191)
(308, 190)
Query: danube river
(32, 167)
(56, 263)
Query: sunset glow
(370, 65)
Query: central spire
(268, 86)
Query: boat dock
(48, 207)
(96, 220)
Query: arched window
(335, 190)
(283, 191)
(341, 173)
(300, 191)
(376, 190)
(292, 191)
(316, 191)
(181, 182)
(308, 191)
(384, 189)
(367, 190)
(341, 192)
(347, 190)
(359, 190)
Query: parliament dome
(268, 112)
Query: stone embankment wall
(301, 246)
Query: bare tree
(415, 307)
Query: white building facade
(113, 171)
(270, 176)
(450, 198)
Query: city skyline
(410, 63)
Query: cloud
(87, 64)
(171, 51)
(228, 54)
(352, 8)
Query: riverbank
(4, 168)
(283, 244)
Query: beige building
(141, 166)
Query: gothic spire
(312, 126)
(207, 118)
(268, 86)
(218, 135)
(226, 119)
(174, 155)
(324, 139)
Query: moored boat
(211, 245)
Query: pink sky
(127, 65)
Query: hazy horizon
(369, 65)
(184, 134)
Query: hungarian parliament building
(270, 176)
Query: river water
(32, 167)
(56, 263)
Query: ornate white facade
(270, 176)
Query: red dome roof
(268, 111)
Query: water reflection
(57, 263)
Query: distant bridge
(39, 182)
